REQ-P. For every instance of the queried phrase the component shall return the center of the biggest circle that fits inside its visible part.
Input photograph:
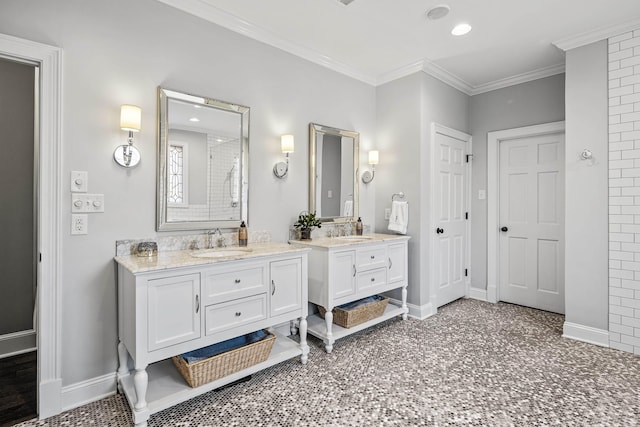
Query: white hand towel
(399, 218)
(348, 208)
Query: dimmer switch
(83, 203)
(79, 181)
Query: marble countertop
(185, 258)
(334, 242)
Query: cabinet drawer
(233, 283)
(234, 313)
(369, 258)
(372, 279)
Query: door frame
(456, 134)
(493, 194)
(49, 243)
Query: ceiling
(377, 41)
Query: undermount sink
(219, 253)
(354, 238)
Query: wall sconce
(127, 155)
(280, 169)
(367, 176)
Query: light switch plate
(79, 181)
(87, 203)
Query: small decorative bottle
(242, 234)
(359, 227)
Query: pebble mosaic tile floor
(472, 364)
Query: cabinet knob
(237, 280)
(373, 279)
(373, 257)
(238, 313)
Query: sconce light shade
(130, 117)
(127, 155)
(373, 157)
(281, 169)
(367, 176)
(286, 143)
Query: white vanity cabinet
(175, 303)
(346, 269)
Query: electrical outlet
(387, 213)
(79, 181)
(79, 224)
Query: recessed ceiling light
(194, 119)
(461, 29)
(437, 12)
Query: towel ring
(400, 195)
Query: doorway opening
(18, 221)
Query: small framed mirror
(333, 173)
(203, 146)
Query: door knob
(504, 229)
(439, 231)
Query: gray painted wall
(111, 58)
(586, 189)
(16, 192)
(405, 110)
(531, 103)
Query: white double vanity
(179, 301)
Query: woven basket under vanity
(356, 316)
(223, 364)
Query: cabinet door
(286, 286)
(397, 262)
(173, 310)
(343, 273)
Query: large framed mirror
(333, 173)
(203, 151)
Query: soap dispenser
(359, 227)
(242, 234)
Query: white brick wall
(624, 192)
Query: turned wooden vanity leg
(328, 320)
(404, 303)
(140, 383)
(123, 368)
(303, 341)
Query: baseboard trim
(419, 312)
(17, 343)
(88, 391)
(586, 334)
(479, 294)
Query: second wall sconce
(127, 155)
(367, 176)
(280, 169)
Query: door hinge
(466, 215)
(469, 157)
(466, 272)
(40, 256)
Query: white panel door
(451, 229)
(531, 222)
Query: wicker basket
(356, 316)
(223, 364)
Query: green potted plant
(305, 223)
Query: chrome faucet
(220, 242)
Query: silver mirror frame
(314, 130)
(162, 224)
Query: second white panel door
(531, 222)
(451, 229)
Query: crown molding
(596, 35)
(518, 79)
(204, 10)
(231, 22)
